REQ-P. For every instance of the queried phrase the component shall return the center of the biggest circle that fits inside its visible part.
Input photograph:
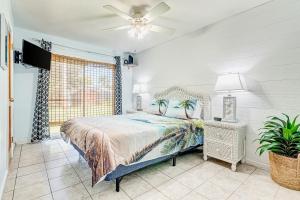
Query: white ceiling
(83, 20)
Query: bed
(118, 145)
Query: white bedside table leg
(233, 167)
(205, 157)
(204, 152)
(243, 160)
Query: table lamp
(228, 83)
(139, 89)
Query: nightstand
(225, 141)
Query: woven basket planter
(285, 171)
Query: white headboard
(182, 94)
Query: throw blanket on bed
(108, 142)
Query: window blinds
(80, 88)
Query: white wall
(25, 79)
(5, 8)
(262, 43)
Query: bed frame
(171, 93)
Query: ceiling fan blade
(97, 18)
(118, 12)
(160, 29)
(117, 28)
(158, 10)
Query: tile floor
(53, 171)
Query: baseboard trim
(260, 165)
(2, 185)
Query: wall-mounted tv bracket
(17, 57)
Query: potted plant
(281, 138)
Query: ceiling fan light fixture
(138, 31)
(140, 20)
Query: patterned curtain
(40, 127)
(118, 86)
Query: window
(79, 88)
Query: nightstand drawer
(219, 150)
(219, 134)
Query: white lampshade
(230, 82)
(139, 88)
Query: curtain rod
(74, 48)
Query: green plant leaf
(280, 136)
(294, 120)
(288, 122)
(278, 119)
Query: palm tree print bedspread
(108, 142)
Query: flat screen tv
(35, 56)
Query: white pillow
(198, 110)
(176, 109)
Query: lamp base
(229, 109)
(139, 103)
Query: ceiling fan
(140, 20)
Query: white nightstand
(225, 141)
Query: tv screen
(36, 56)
